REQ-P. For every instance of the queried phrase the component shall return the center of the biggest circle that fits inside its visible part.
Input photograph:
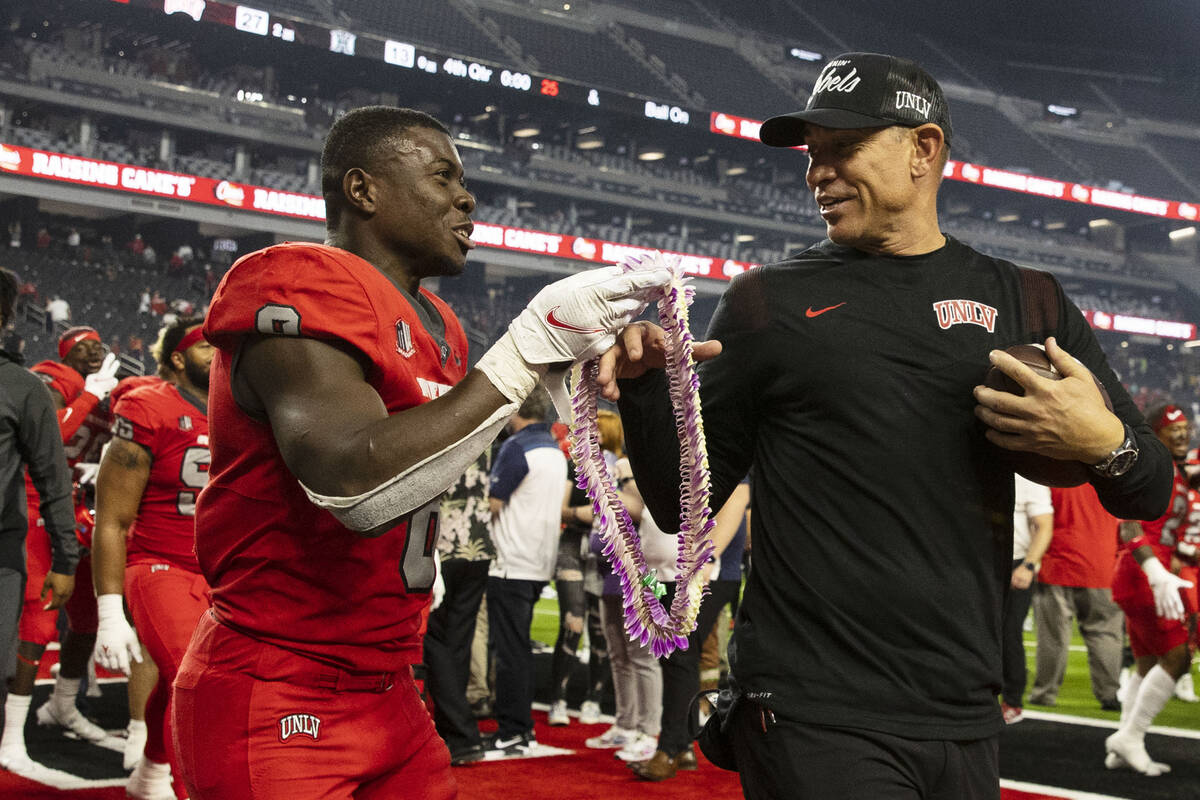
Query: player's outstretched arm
(368, 467)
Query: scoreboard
(409, 56)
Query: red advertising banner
(32, 163)
(743, 128)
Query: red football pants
(37, 625)
(165, 603)
(255, 721)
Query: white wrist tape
(512, 376)
(1154, 569)
(110, 607)
(417, 485)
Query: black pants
(586, 607)
(781, 759)
(681, 669)
(448, 651)
(510, 613)
(1016, 608)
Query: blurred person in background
(30, 445)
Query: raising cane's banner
(744, 128)
(25, 161)
(32, 163)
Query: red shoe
(1012, 714)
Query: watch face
(1121, 463)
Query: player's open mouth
(463, 234)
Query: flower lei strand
(646, 620)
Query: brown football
(1038, 468)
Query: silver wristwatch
(1121, 460)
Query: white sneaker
(1114, 761)
(613, 737)
(135, 743)
(1133, 751)
(150, 781)
(558, 714)
(589, 712)
(639, 750)
(1185, 690)
(73, 721)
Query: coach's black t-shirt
(882, 517)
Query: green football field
(1074, 698)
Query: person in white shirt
(1033, 527)
(525, 496)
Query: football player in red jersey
(148, 482)
(341, 408)
(1155, 585)
(78, 384)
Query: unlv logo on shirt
(965, 312)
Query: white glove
(85, 472)
(570, 320)
(1165, 586)
(104, 380)
(116, 643)
(439, 585)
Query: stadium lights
(805, 55)
(1010, 217)
(526, 130)
(1100, 223)
(1192, 343)
(589, 141)
(1056, 225)
(742, 238)
(1062, 111)
(651, 155)
(736, 170)
(1179, 234)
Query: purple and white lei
(646, 620)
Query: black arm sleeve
(728, 408)
(1144, 491)
(41, 446)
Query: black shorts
(782, 758)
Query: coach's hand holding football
(1064, 419)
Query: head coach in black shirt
(866, 654)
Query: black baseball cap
(864, 90)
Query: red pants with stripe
(255, 721)
(166, 602)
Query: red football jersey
(86, 439)
(175, 431)
(1161, 535)
(281, 569)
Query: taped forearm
(415, 486)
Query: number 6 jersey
(175, 431)
(281, 569)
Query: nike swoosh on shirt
(810, 313)
(553, 321)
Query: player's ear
(359, 189)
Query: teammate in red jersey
(78, 384)
(1155, 585)
(341, 408)
(148, 482)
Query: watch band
(1119, 461)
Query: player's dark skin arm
(120, 484)
(331, 426)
